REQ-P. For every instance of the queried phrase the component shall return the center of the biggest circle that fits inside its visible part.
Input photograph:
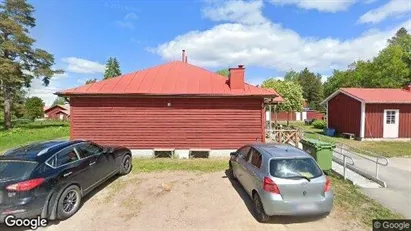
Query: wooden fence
(285, 136)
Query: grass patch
(383, 148)
(24, 133)
(356, 205)
(202, 165)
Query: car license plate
(307, 207)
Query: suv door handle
(92, 163)
(67, 174)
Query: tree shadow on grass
(275, 219)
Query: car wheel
(69, 202)
(259, 209)
(126, 165)
(231, 174)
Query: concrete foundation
(144, 153)
(182, 153)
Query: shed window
(390, 117)
(199, 154)
(164, 153)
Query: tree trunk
(7, 106)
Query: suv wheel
(69, 202)
(231, 171)
(259, 209)
(126, 165)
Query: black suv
(50, 178)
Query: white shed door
(391, 123)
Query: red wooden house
(57, 112)
(370, 113)
(174, 106)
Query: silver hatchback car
(281, 180)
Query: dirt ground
(181, 201)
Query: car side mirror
(233, 154)
(105, 150)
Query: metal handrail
(376, 160)
(344, 160)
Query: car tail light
(270, 186)
(25, 185)
(327, 185)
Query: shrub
(320, 124)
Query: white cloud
(83, 66)
(272, 46)
(392, 8)
(320, 5)
(128, 21)
(44, 92)
(235, 11)
(59, 76)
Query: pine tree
(112, 68)
(20, 62)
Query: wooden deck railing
(285, 136)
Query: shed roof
(65, 108)
(173, 78)
(375, 95)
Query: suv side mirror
(233, 154)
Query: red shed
(174, 106)
(57, 112)
(370, 113)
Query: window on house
(199, 154)
(390, 117)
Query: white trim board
(362, 121)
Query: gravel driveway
(181, 201)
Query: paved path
(397, 175)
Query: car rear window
(291, 168)
(16, 169)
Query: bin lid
(319, 144)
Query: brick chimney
(236, 77)
(183, 55)
(407, 87)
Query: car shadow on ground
(273, 220)
(89, 196)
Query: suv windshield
(16, 169)
(295, 168)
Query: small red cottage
(175, 106)
(370, 113)
(57, 112)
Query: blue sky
(269, 37)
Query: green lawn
(384, 148)
(168, 164)
(27, 132)
(356, 205)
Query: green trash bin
(321, 151)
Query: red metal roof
(379, 95)
(173, 78)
